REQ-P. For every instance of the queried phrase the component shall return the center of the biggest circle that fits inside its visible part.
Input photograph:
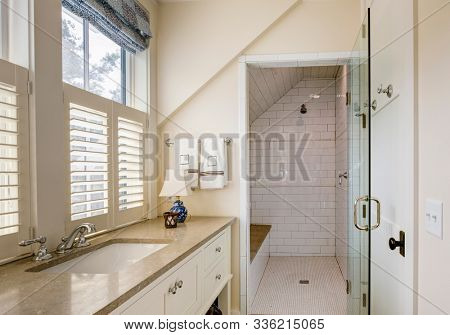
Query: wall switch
(434, 217)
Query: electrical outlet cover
(434, 217)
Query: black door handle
(394, 244)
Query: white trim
(275, 60)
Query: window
(92, 61)
(106, 153)
(4, 31)
(88, 162)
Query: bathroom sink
(108, 259)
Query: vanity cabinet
(191, 286)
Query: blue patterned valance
(126, 22)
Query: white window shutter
(131, 164)
(14, 161)
(88, 162)
(9, 161)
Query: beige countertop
(25, 292)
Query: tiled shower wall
(292, 164)
(341, 167)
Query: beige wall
(198, 38)
(308, 27)
(434, 137)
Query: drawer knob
(179, 284)
(173, 290)
(219, 277)
(218, 249)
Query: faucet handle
(42, 254)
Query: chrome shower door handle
(355, 213)
(378, 213)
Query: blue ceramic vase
(179, 208)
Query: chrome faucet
(42, 254)
(76, 239)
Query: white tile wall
(292, 161)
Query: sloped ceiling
(268, 85)
(198, 39)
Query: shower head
(303, 109)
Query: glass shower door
(358, 218)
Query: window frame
(124, 60)
(4, 31)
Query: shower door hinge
(348, 286)
(348, 98)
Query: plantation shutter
(107, 163)
(14, 160)
(131, 187)
(131, 164)
(88, 162)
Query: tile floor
(281, 293)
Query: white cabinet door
(182, 290)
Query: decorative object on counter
(170, 219)
(175, 186)
(178, 207)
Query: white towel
(214, 164)
(187, 159)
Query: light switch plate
(434, 217)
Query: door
(358, 250)
(392, 162)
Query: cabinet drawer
(215, 251)
(182, 290)
(216, 278)
(152, 303)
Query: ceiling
(268, 85)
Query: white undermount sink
(108, 259)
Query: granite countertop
(29, 292)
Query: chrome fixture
(42, 254)
(355, 213)
(342, 175)
(176, 286)
(388, 90)
(374, 105)
(169, 143)
(303, 109)
(76, 239)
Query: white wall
(434, 172)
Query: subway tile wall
(293, 171)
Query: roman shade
(126, 22)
